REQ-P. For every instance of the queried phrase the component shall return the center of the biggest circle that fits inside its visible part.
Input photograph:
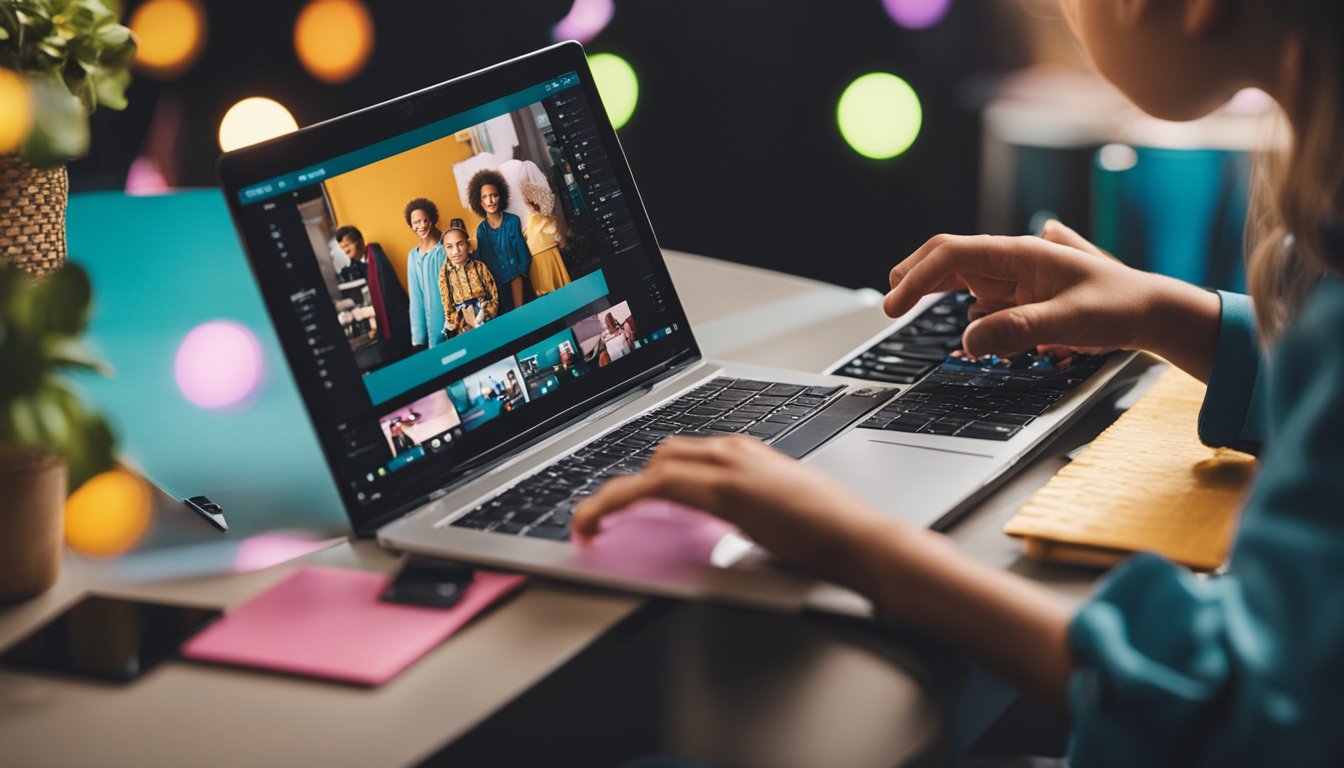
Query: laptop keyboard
(991, 398)
(541, 505)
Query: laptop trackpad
(902, 478)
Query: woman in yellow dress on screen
(544, 240)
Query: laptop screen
(445, 292)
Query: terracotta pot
(32, 500)
(32, 215)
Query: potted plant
(64, 58)
(50, 443)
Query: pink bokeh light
(917, 14)
(145, 178)
(586, 20)
(268, 549)
(218, 364)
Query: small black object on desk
(209, 510)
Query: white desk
(826, 699)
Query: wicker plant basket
(32, 215)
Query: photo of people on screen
(551, 364)
(467, 288)
(606, 336)
(475, 224)
(486, 394)
(426, 424)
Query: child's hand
(1057, 291)
(796, 512)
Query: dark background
(734, 141)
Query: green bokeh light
(617, 84)
(879, 115)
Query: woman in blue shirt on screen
(1159, 668)
(499, 238)
(424, 262)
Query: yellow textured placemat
(1145, 484)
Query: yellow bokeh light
(16, 119)
(333, 39)
(108, 515)
(169, 35)
(254, 120)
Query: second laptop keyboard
(989, 398)
(541, 506)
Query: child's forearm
(1001, 620)
(1182, 325)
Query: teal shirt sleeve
(1246, 668)
(1233, 414)
(416, 293)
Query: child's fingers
(1061, 234)
(694, 485)
(946, 263)
(1015, 329)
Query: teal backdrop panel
(161, 266)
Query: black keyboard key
(877, 421)
(768, 429)
(907, 423)
(728, 426)
(985, 431)
(943, 427)
(755, 386)
(691, 422)
(823, 391)
(549, 532)
(508, 526)
(1010, 419)
(784, 390)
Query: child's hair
(478, 181)
(422, 204)
(1300, 190)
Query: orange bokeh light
(169, 34)
(17, 118)
(109, 514)
(333, 39)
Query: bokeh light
(617, 84)
(16, 119)
(1117, 158)
(218, 364)
(333, 39)
(586, 20)
(917, 14)
(253, 120)
(879, 115)
(268, 549)
(109, 514)
(169, 35)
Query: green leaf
(72, 353)
(111, 89)
(113, 35)
(62, 302)
(60, 131)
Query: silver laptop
(472, 430)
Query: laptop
(474, 442)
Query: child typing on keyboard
(1159, 668)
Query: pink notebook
(329, 622)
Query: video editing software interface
(425, 356)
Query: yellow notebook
(1145, 485)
